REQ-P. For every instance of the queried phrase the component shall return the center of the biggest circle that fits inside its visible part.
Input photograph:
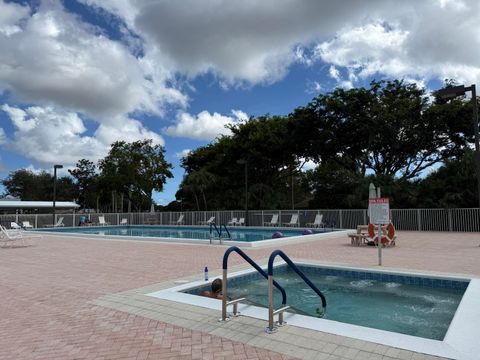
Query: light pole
(245, 162)
(460, 90)
(55, 167)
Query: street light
(245, 162)
(451, 92)
(55, 167)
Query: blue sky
(77, 75)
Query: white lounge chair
(233, 222)
(101, 221)
(13, 237)
(318, 222)
(179, 220)
(273, 222)
(59, 222)
(27, 225)
(124, 221)
(293, 221)
(241, 222)
(15, 226)
(208, 222)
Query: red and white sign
(379, 210)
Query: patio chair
(101, 221)
(273, 222)
(208, 222)
(15, 226)
(293, 221)
(58, 223)
(318, 222)
(241, 222)
(124, 221)
(27, 225)
(179, 221)
(233, 222)
(13, 237)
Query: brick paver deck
(47, 293)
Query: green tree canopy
(135, 170)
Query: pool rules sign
(379, 210)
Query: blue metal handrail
(255, 265)
(226, 230)
(212, 226)
(290, 263)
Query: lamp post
(460, 90)
(245, 162)
(55, 167)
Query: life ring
(388, 239)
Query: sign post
(379, 213)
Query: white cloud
(431, 40)
(204, 126)
(49, 135)
(240, 41)
(10, 15)
(183, 153)
(55, 59)
(3, 136)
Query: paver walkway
(46, 292)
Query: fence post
(364, 216)
(450, 227)
(419, 220)
(36, 220)
(341, 218)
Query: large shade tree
(134, 170)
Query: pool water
(391, 305)
(183, 232)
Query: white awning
(16, 204)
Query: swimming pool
(241, 235)
(427, 313)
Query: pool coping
(460, 341)
(151, 239)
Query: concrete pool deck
(67, 298)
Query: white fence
(463, 220)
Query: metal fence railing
(460, 220)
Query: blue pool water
(183, 232)
(410, 305)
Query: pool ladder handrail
(219, 231)
(271, 312)
(262, 272)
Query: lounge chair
(27, 225)
(58, 223)
(179, 220)
(13, 237)
(241, 222)
(273, 222)
(233, 222)
(124, 221)
(293, 221)
(15, 226)
(208, 222)
(101, 221)
(318, 222)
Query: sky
(77, 75)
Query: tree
(29, 186)
(391, 129)
(85, 182)
(451, 185)
(135, 170)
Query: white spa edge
(253, 244)
(460, 342)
